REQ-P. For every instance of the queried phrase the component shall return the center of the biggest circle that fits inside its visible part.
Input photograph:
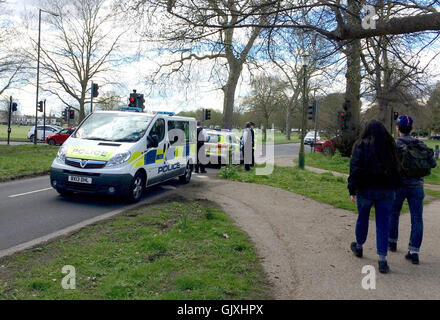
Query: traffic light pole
(301, 156)
(91, 99)
(44, 119)
(38, 76)
(316, 106)
(202, 122)
(9, 119)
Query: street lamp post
(301, 156)
(38, 69)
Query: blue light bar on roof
(227, 130)
(168, 113)
(130, 109)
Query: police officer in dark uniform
(201, 138)
(253, 143)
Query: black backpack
(416, 159)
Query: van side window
(158, 129)
(171, 126)
(180, 125)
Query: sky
(134, 74)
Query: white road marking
(30, 192)
(201, 177)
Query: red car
(326, 146)
(59, 137)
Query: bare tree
(267, 97)
(83, 49)
(394, 71)
(343, 22)
(109, 101)
(287, 50)
(12, 62)
(184, 31)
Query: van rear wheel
(186, 177)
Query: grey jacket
(401, 142)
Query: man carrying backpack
(416, 160)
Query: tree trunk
(350, 130)
(229, 95)
(351, 124)
(288, 121)
(82, 103)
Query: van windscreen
(115, 127)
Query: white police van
(123, 152)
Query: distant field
(18, 133)
(281, 138)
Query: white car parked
(41, 133)
(310, 137)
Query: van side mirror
(175, 139)
(152, 141)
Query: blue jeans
(415, 196)
(383, 203)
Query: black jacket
(401, 142)
(366, 173)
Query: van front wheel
(137, 187)
(186, 178)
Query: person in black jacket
(253, 143)
(412, 190)
(374, 178)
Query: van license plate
(79, 179)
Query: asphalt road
(31, 209)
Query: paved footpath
(304, 244)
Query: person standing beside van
(253, 143)
(374, 177)
(202, 137)
(417, 160)
(246, 141)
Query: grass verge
(25, 160)
(342, 165)
(322, 187)
(172, 250)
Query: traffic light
(342, 116)
(311, 111)
(140, 101)
(395, 115)
(14, 106)
(207, 114)
(71, 114)
(132, 99)
(64, 114)
(40, 106)
(95, 91)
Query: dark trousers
(383, 203)
(415, 196)
(199, 165)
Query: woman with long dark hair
(374, 177)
